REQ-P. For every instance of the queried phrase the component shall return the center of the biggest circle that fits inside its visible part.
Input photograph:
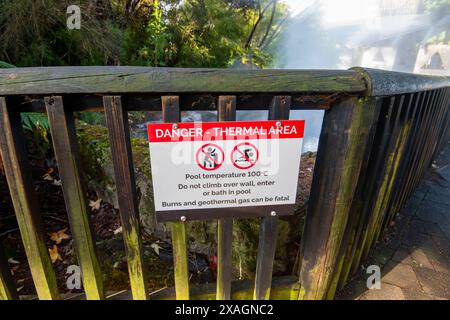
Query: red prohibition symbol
(210, 157)
(244, 155)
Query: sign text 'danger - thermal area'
(225, 169)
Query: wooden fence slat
(444, 133)
(268, 232)
(62, 128)
(171, 113)
(398, 152)
(345, 133)
(438, 122)
(413, 167)
(423, 129)
(360, 203)
(8, 289)
(404, 165)
(411, 156)
(18, 175)
(378, 157)
(354, 218)
(381, 187)
(226, 112)
(119, 139)
(278, 110)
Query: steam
(383, 34)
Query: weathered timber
(398, 153)
(120, 80)
(377, 159)
(418, 135)
(18, 175)
(282, 288)
(440, 122)
(62, 128)
(345, 133)
(226, 112)
(445, 133)
(423, 129)
(171, 113)
(188, 102)
(373, 105)
(383, 183)
(278, 110)
(119, 138)
(8, 289)
(388, 83)
(403, 166)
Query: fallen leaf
(57, 182)
(118, 230)
(155, 246)
(54, 254)
(95, 205)
(47, 177)
(59, 236)
(12, 261)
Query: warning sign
(225, 169)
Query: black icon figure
(247, 157)
(210, 159)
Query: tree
(183, 33)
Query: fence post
(62, 129)
(8, 289)
(20, 183)
(226, 112)
(171, 113)
(344, 137)
(119, 140)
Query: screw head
(273, 213)
(183, 218)
(175, 126)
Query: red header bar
(239, 130)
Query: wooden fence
(380, 132)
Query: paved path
(414, 255)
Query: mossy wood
(354, 218)
(8, 289)
(18, 175)
(278, 110)
(119, 137)
(409, 139)
(226, 112)
(69, 80)
(345, 132)
(171, 113)
(62, 128)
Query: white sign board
(225, 169)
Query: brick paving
(414, 254)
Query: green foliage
(32, 121)
(92, 118)
(5, 65)
(34, 33)
(37, 132)
(172, 33)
